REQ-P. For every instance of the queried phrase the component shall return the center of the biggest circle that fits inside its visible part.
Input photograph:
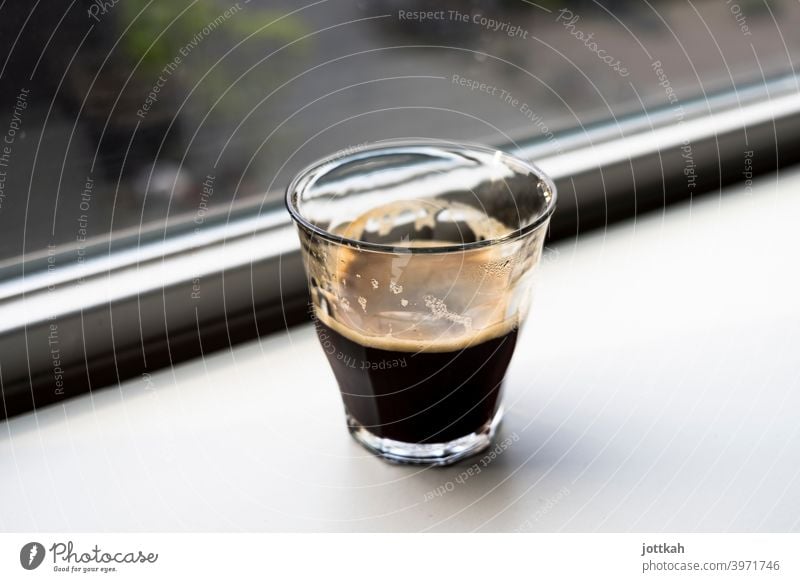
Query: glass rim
(331, 162)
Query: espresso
(420, 261)
(418, 396)
(419, 342)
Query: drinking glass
(420, 258)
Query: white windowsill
(654, 388)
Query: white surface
(655, 388)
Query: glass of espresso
(420, 258)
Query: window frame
(141, 301)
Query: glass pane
(128, 116)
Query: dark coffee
(430, 396)
(419, 344)
(420, 261)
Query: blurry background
(248, 92)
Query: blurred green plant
(156, 40)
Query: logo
(31, 555)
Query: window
(134, 131)
(131, 114)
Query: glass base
(438, 454)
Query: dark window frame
(141, 301)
